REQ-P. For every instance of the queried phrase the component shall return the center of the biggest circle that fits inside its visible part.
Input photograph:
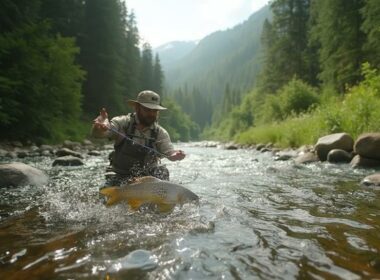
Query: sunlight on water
(257, 218)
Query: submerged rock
(138, 260)
(20, 174)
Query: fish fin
(112, 194)
(164, 208)
(135, 203)
(145, 179)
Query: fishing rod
(136, 143)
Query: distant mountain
(224, 57)
(172, 52)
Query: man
(139, 141)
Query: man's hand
(101, 124)
(177, 155)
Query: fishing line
(136, 143)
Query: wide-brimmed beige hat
(148, 99)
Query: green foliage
(146, 67)
(337, 29)
(15, 13)
(292, 99)
(237, 120)
(355, 114)
(297, 97)
(103, 56)
(285, 42)
(158, 76)
(271, 110)
(194, 104)
(359, 111)
(370, 26)
(40, 81)
(177, 123)
(293, 132)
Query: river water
(257, 219)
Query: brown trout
(150, 190)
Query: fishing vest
(131, 159)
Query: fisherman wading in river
(139, 141)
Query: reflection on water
(257, 218)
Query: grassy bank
(355, 113)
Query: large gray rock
(325, 144)
(68, 161)
(360, 161)
(67, 152)
(368, 145)
(371, 180)
(306, 158)
(19, 174)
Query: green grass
(293, 132)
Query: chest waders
(133, 160)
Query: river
(257, 219)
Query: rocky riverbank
(339, 148)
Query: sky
(163, 21)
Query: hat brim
(146, 105)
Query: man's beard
(146, 121)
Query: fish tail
(112, 194)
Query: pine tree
(371, 27)
(14, 13)
(102, 56)
(158, 76)
(341, 39)
(132, 56)
(146, 70)
(285, 42)
(65, 16)
(39, 84)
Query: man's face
(146, 116)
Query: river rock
(285, 155)
(94, 153)
(3, 153)
(22, 154)
(87, 142)
(11, 154)
(46, 148)
(368, 145)
(19, 174)
(260, 146)
(327, 143)
(71, 144)
(67, 152)
(68, 161)
(371, 180)
(338, 155)
(231, 146)
(17, 144)
(360, 161)
(45, 153)
(305, 158)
